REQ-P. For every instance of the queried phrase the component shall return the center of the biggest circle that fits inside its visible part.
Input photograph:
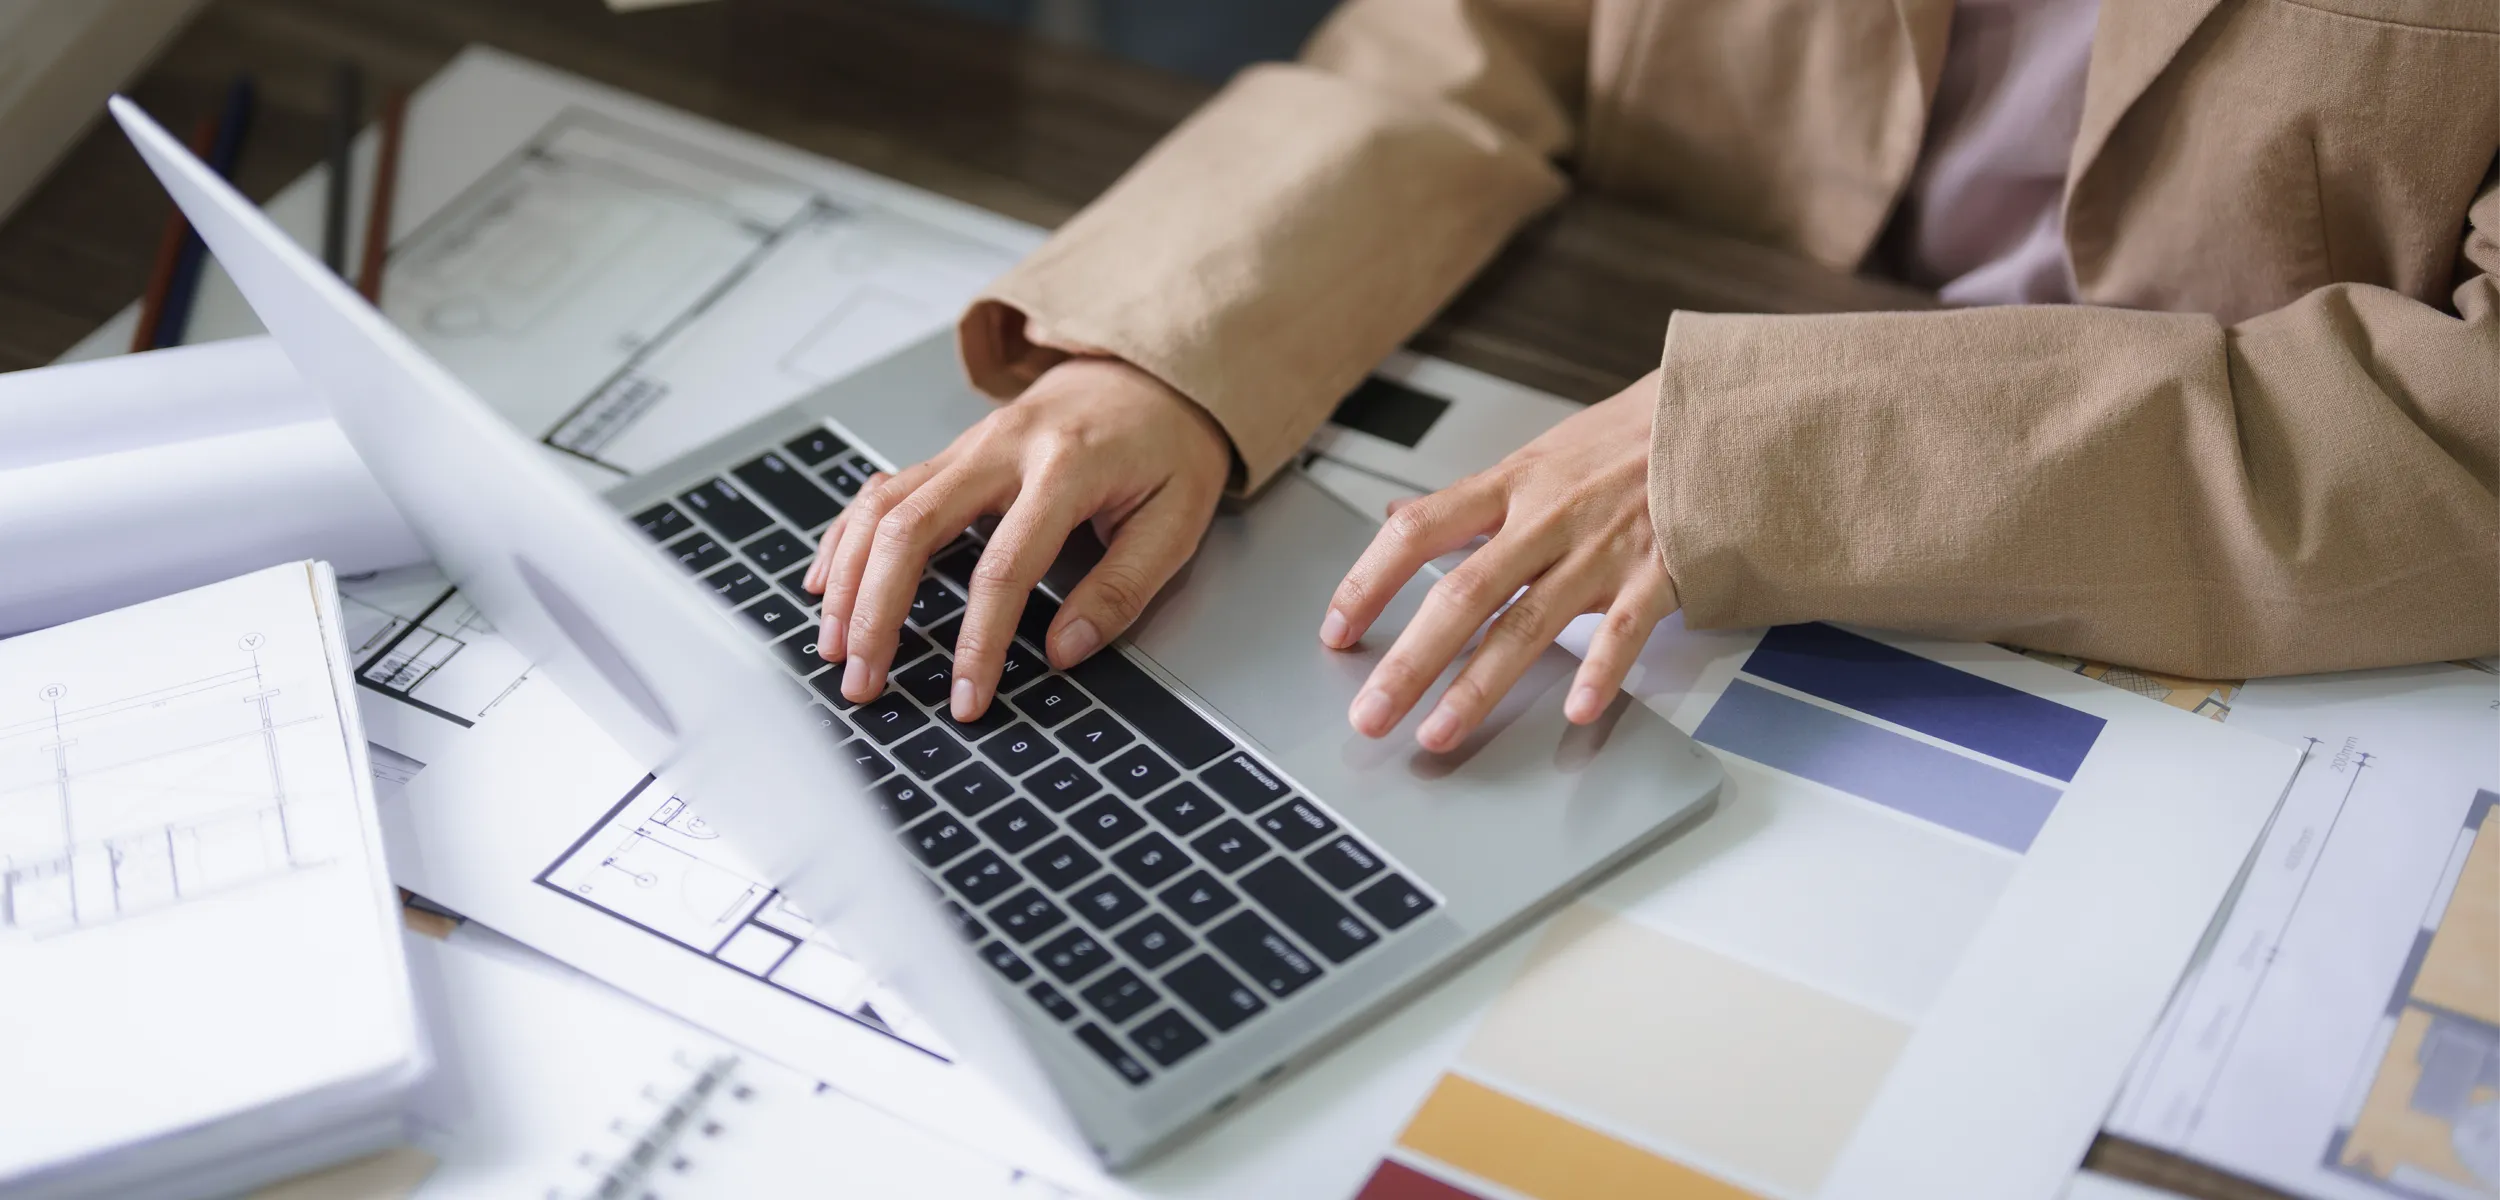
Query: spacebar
(1152, 708)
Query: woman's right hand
(1092, 439)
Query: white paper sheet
(195, 917)
(2342, 1037)
(130, 478)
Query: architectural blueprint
(2341, 1037)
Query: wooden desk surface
(1576, 306)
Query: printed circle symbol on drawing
(250, 641)
(53, 692)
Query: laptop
(1134, 894)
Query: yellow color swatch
(2461, 972)
(1529, 1150)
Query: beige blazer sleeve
(2308, 490)
(1306, 221)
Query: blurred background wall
(1208, 39)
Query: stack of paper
(202, 986)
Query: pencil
(174, 319)
(385, 182)
(346, 97)
(168, 251)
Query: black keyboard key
(1062, 784)
(958, 563)
(948, 634)
(1183, 809)
(930, 753)
(1016, 749)
(1073, 955)
(774, 615)
(1061, 864)
(1167, 1037)
(662, 521)
(779, 550)
(1033, 624)
(991, 720)
(1027, 915)
(697, 553)
(1266, 956)
(999, 956)
(828, 687)
(1344, 862)
(904, 800)
(1230, 846)
(939, 839)
(1051, 700)
(815, 446)
(1308, 910)
(872, 765)
(834, 727)
(1151, 859)
(888, 717)
(983, 877)
(1015, 827)
(1059, 1007)
(974, 789)
(1140, 771)
(734, 583)
(1296, 823)
(794, 582)
(1153, 941)
(799, 653)
(846, 476)
(1204, 985)
(1125, 688)
(1393, 901)
(1120, 995)
(1106, 902)
(1245, 783)
(730, 514)
(1020, 667)
(965, 923)
(1106, 822)
(933, 602)
(908, 645)
(1121, 1061)
(928, 680)
(786, 486)
(1198, 898)
(1094, 736)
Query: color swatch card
(1947, 889)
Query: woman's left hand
(1568, 515)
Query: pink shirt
(1982, 219)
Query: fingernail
(1584, 704)
(1332, 630)
(1078, 640)
(855, 678)
(963, 699)
(1440, 729)
(1371, 712)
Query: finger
(1453, 611)
(1517, 638)
(1418, 532)
(850, 553)
(934, 514)
(1021, 549)
(1617, 643)
(1143, 555)
(819, 565)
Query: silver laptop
(1135, 893)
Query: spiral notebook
(555, 1085)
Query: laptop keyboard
(1151, 884)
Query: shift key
(1263, 954)
(1306, 908)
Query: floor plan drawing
(117, 805)
(655, 864)
(417, 640)
(2427, 1121)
